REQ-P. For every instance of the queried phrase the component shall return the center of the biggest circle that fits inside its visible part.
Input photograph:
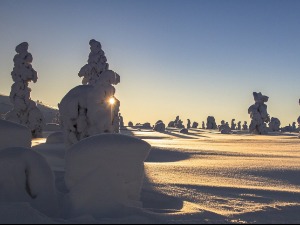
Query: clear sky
(191, 58)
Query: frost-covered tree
(274, 124)
(188, 124)
(258, 114)
(233, 124)
(91, 108)
(239, 126)
(25, 110)
(245, 125)
(211, 123)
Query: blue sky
(190, 57)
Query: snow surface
(55, 138)
(104, 174)
(202, 177)
(14, 135)
(25, 176)
(52, 127)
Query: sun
(112, 101)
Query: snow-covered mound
(25, 176)
(14, 135)
(55, 138)
(105, 173)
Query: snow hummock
(14, 135)
(26, 177)
(25, 110)
(105, 173)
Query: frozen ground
(202, 177)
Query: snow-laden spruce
(104, 174)
(211, 123)
(25, 110)
(274, 124)
(258, 114)
(14, 135)
(91, 108)
(25, 176)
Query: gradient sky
(190, 58)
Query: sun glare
(112, 101)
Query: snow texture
(25, 110)
(87, 110)
(105, 173)
(14, 135)
(258, 114)
(274, 125)
(55, 138)
(159, 126)
(211, 123)
(25, 176)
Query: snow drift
(14, 135)
(25, 176)
(104, 173)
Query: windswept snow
(199, 177)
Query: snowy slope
(205, 177)
(49, 112)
